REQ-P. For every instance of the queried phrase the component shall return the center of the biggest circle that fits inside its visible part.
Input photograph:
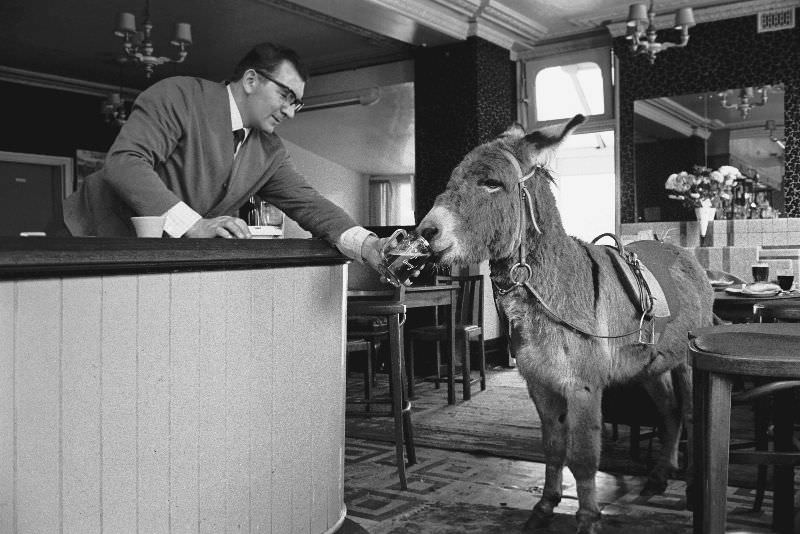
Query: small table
(421, 297)
(738, 308)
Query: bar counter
(171, 385)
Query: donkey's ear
(552, 135)
(515, 131)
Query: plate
(744, 292)
(721, 283)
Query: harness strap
(525, 200)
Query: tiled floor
(510, 487)
(452, 492)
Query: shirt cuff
(351, 241)
(180, 218)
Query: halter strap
(522, 264)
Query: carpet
(460, 518)
(502, 421)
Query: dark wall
(51, 122)
(721, 55)
(464, 95)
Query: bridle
(521, 272)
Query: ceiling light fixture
(138, 45)
(642, 30)
(745, 104)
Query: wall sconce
(770, 127)
(745, 104)
(138, 46)
(642, 30)
(113, 108)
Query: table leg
(717, 453)
(783, 497)
(451, 332)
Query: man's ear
(249, 81)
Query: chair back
(470, 299)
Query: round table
(738, 308)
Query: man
(195, 150)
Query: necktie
(238, 137)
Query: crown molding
(701, 14)
(597, 39)
(430, 14)
(62, 83)
(487, 19)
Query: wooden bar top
(23, 257)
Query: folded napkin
(761, 288)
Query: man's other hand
(225, 226)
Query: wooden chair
(400, 407)
(468, 328)
(720, 356)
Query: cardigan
(176, 146)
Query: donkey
(574, 330)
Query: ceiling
(73, 39)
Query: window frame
(602, 56)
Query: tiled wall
(738, 232)
(734, 245)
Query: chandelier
(642, 30)
(745, 104)
(138, 46)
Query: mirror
(742, 127)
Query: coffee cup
(403, 254)
(148, 226)
(760, 272)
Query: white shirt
(180, 217)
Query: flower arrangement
(703, 187)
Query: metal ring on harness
(526, 276)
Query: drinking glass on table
(785, 279)
(760, 272)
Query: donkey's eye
(491, 185)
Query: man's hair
(268, 56)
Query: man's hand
(225, 226)
(371, 252)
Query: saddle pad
(658, 258)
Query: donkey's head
(477, 217)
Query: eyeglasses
(286, 92)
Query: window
(391, 201)
(562, 85)
(585, 188)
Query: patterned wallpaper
(464, 96)
(720, 55)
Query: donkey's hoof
(653, 486)
(538, 519)
(588, 522)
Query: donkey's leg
(584, 422)
(552, 409)
(660, 389)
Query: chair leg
(762, 419)
(410, 367)
(368, 378)
(465, 374)
(483, 363)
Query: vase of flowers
(704, 190)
